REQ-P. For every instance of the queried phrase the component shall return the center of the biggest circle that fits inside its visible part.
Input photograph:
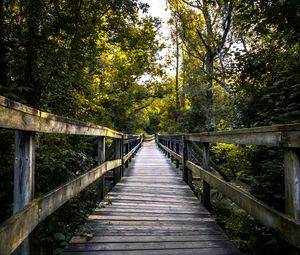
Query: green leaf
(59, 236)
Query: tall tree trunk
(209, 92)
(3, 67)
(75, 49)
(177, 73)
(33, 9)
(183, 80)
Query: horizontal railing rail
(14, 115)
(29, 213)
(287, 137)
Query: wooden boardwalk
(152, 212)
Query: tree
(206, 31)
(267, 75)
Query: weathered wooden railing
(28, 212)
(287, 137)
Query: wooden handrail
(14, 115)
(277, 135)
(285, 136)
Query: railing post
(130, 148)
(166, 144)
(177, 151)
(206, 187)
(24, 177)
(189, 171)
(126, 152)
(292, 182)
(121, 152)
(184, 158)
(101, 159)
(172, 148)
(117, 152)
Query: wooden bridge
(153, 209)
(152, 212)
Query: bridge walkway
(151, 211)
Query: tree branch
(226, 25)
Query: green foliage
(249, 236)
(233, 160)
(51, 235)
(64, 157)
(6, 173)
(268, 72)
(259, 169)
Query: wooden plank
(154, 223)
(288, 228)
(182, 187)
(101, 232)
(156, 214)
(154, 195)
(14, 115)
(150, 190)
(179, 210)
(142, 201)
(267, 139)
(181, 251)
(19, 226)
(138, 239)
(146, 245)
(141, 230)
(146, 218)
(152, 205)
(164, 178)
(190, 200)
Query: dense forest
(236, 64)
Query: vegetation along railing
(287, 137)
(28, 212)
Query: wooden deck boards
(152, 212)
